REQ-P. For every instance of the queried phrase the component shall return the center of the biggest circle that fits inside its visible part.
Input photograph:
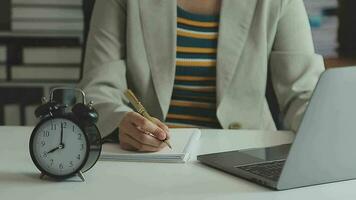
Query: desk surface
(19, 179)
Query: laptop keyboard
(270, 170)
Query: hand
(61, 142)
(139, 134)
(53, 150)
(61, 146)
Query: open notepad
(182, 140)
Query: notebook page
(182, 141)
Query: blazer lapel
(158, 19)
(235, 20)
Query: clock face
(59, 147)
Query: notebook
(183, 142)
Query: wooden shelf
(339, 62)
(45, 34)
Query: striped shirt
(193, 102)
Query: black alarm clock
(65, 142)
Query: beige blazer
(132, 44)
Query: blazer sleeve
(295, 68)
(104, 66)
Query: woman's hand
(137, 133)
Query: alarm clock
(65, 142)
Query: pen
(140, 109)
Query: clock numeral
(79, 136)
(51, 162)
(71, 164)
(53, 126)
(45, 154)
(73, 128)
(60, 166)
(45, 133)
(78, 157)
(64, 124)
(43, 143)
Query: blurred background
(42, 44)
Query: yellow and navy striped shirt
(193, 102)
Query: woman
(198, 63)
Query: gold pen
(140, 109)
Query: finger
(121, 135)
(147, 126)
(162, 126)
(137, 145)
(163, 145)
(127, 146)
(142, 137)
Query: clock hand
(53, 150)
(61, 142)
(61, 146)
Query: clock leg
(81, 176)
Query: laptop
(323, 150)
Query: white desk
(19, 179)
